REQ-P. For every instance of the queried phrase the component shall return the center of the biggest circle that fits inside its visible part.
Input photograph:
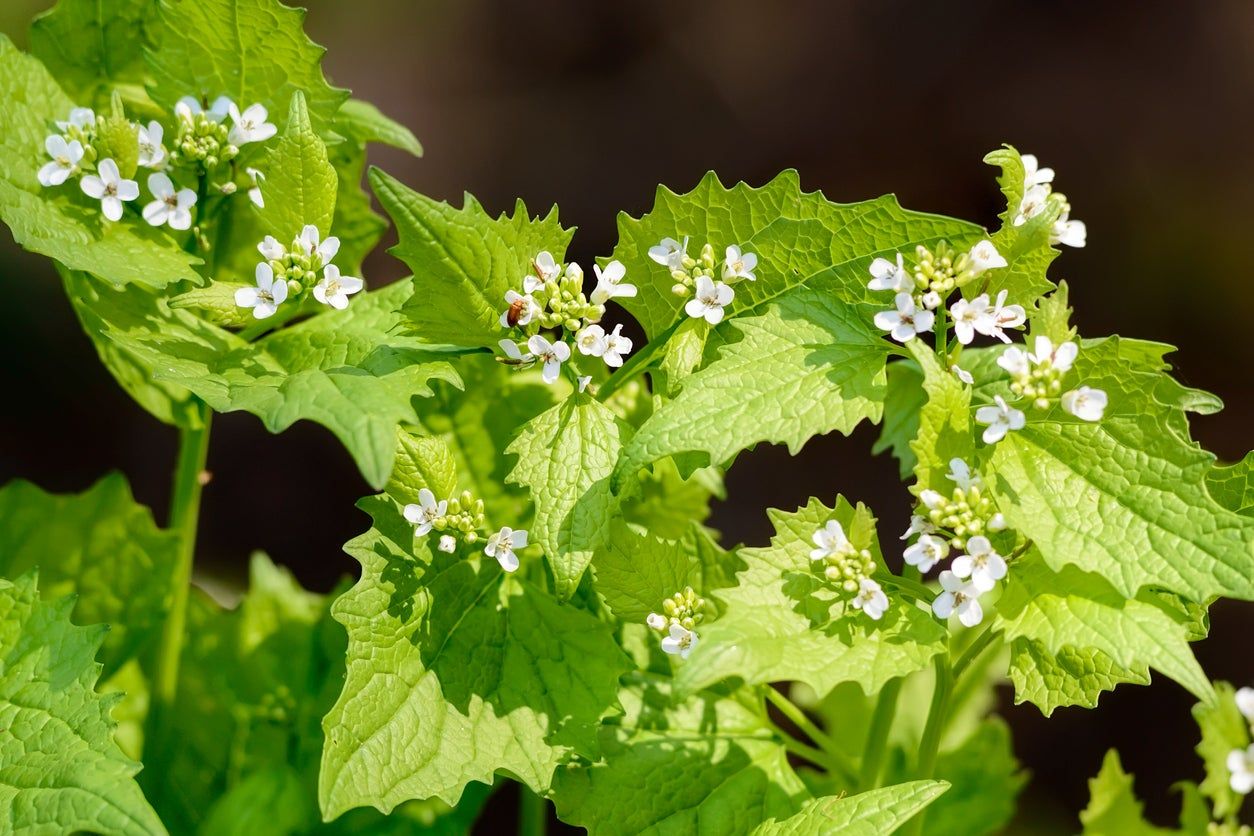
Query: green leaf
(944, 423)
(1026, 248)
(1223, 730)
(362, 122)
(565, 458)
(984, 779)
(464, 260)
(784, 622)
(300, 186)
(1074, 612)
(269, 802)
(422, 462)
(1126, 497)
(60, 771)
(91, 46)
(456, 671)
(99, 545)
(800, 238)
(667, 504)
(1232, 486)
(61, 222)
(254, 51)
(342, 369)
(866, 814)
(1067, 676)
(1113, 808)
(903, 401)
(707, 765)
(808, 365)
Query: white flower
(984, 566)
(984, 256)
(871, 599)
(583, 382)
(616, 345)
(997, 522)
(522, 307)
(670, 253)
(927, 552)
(590, 340)
(739, 265)
(65, 159)
(501, 545)
(266, 297)
(151, 151)
(1032, 204)
(272, 249)
(960, 474)
(251, 125)
(1245, 703)
(681, 641)
(551, 354)
(1004, 316)
(448, 544)
(656, 620)
(1016, 361)
(710, 299)
(254, 194)
(189, 107)
(830, 541)
(335, 289)
(1059, 357)
(1069, 232)
(109, 188)
(80, 117)
(1241, 769)
(1033, 175)
(919, 525)
(1085, 403)
(906, 321)
(325, 249)
(999, 420)
(546, 268)
(512, 352)
(962, 374)
(610, 283)
(931, 300)
(423, 515)
(170, 207)
(930, 498)
(888, 276)
(958, 597)
(969, 316)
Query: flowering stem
(910, 586)
(637, 363)
(937, 716)
(533, 813)
(972, 653)
(814, 756)
(877, 735)
(942, 335)
(829, 756)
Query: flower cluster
(681, 613)
(553, 299)
(462, 518)
(1241, 761)
(705, 278)
(849, 568)
(293, 270)
(1038, 195)
(1037, 376)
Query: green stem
(910, 586)
(533, 813)
(814, 756)
(942, 335)
(929, 745)
(877, 735)
(798, 718)
(971, 653)
(638, 362)
(830, 757)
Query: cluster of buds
(289, 272)
(462, 518)
(967, 512)
(937, 274)
(707, 278)
(1037, 377)
(559, 298)
(849, 568)
(201, 135)
(677, 623)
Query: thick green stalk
(830, 757)
(877, 735)
(929, 745)
(533, 813)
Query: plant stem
(942, 335)
(814, 756)
(877, 735)
(638, 363)
(929, 745)
(533, 813)
(971, 653)
(798, 718)
(830, 757)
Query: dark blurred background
(1144, 109)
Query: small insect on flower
(520, 311)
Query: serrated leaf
(1113, 808)
(300, 185)
(903, 401)
(456, 671)
(800, 238)
(1223, 729)
(91, 46)
(254, 51)
(60, 771)
(362, 122)
(707, 765)
(465, 260)
(565, 458)
(1126, 497)
(1232, 486)
(422, 462)
(1026, 248)
(871, 813)
(1066, 676)
(61, 222)
(808, 365)
(782, 621)
(667, 505)
(99, 545)
(944, 429)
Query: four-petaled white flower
(871, 599)
(552, 355)
(616, 345)
(65, 160)
(1245, 703)
(680, 641)
(272, 249)
(610, 284)
(170, 207)
(80, 117)
(984, 256)
(830, 540)
(919, 525)
(501, 545)
(109, 187)
(448, 543)
(738, 266)
(1085, 403)
(521, 306)
(885, 275)
(959, 597)
(962, 374)
(999, 420)
(1004, 316)
(927, 552)
(423, 515)
(335, 289)
(931, 300)
(1241, 770)
(266, 297)
(904, 323)
(189, 107)
(656, 620)
(1032, 204)
(151, 151)
(1018, 361)
(1033, 174)
(1069, 232)
(590, 340)
(325, 249)
(970, 316)
(982, 564)
(710, 299)
(670, 253)
(251, 125)
(546, 268)
(513, 352)
(960, 474)
(254, 194)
